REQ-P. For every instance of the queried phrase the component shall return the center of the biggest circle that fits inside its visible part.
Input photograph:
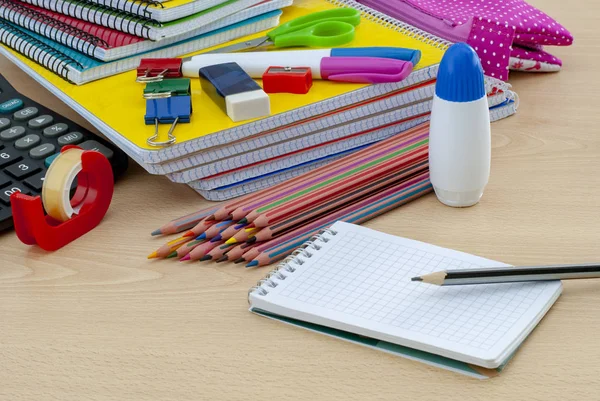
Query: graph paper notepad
(353, 281)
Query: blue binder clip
(167, 109)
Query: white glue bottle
(460, 136)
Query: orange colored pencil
(236, 252)
(218, 252)
(185, 222)
(242, 235)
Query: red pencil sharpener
(296, 80)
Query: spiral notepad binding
(138, 7)
(37, 51)
(101, 14)
(297, 258)
(396, 25)
(51, 28)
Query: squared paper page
(359, 281)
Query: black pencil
(511, 274)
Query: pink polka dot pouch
(506, 34)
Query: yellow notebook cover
(115, 105)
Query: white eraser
(248, 105)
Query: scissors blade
(243, 46)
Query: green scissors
(322, 29)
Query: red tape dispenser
(67, 219)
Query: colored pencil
(201, 250)
(216, 230)
(338, 185)
(319, 210)
(345, 164)
(200, 228)
(185, 222)
(187, 248)
(242, 235)
(232, 230)
(356, 213)
(217, 252)
(235, 252)
(169, 247)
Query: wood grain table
(97, 321)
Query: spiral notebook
(159, 10)
(141, 26)
(354, 283)
(78, 68)
(107, 44)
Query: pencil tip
(153, 255)
(222, 259)
(243, 221)
(172, 255)
(240, 226)
(240, 260)
(228, 217)
(251, 241)
(201, 237)
(231, 241)
(189, 234)
(156, 232)
(205, 257)
(210, 218)
(252, 264)
(416, 279)
(185, 258)
(216, 239)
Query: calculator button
(50, 159)
(26, 114)
(4, 123)
(27, 142)
(5, 193)
(22, 170)
(42, 151)
(40, 122)
(13, 133)
(11, 105)
(4, 181)
(8, 157)
(56, 130)
(98, 147)
(72, 138)
(35, 182)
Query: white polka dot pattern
(500, 29)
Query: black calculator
(31, 136)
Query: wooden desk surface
(97, 321)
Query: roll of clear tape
(56, 190)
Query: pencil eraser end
(248, 105)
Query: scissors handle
(325, 34)
(348, 15)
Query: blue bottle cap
(460, 76)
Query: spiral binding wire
(297, 257)
(51, 28)
(37, 51)
(392, 23)
(100, 14)
(138, 7)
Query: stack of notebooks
(218, 158)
